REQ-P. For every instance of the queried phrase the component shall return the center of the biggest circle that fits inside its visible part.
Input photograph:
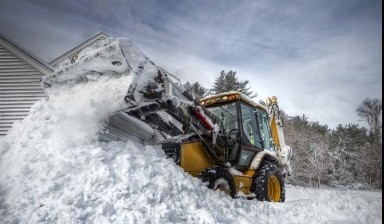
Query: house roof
(26, 56)
(79, 47)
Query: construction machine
(227, 140)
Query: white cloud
(321, 58)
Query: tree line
(347, 156)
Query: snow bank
(53, 170)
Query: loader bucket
(114, 57)
(118, 57)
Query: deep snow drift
(53, 170)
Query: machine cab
(244, 124)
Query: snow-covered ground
(53, 170)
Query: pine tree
(229, 82)
(196, 90)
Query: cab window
(229, 127)
(265, 130)
(250, 127)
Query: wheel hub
(274, 189)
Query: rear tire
(218, 178)
(268, 184)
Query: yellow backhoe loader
(227, 140)
(248, 161)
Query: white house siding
(19, 89)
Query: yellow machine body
(194, 160)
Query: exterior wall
(20, 75)
(19, 88)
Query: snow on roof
(243, 97)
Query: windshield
(227, 115)
(229, 127)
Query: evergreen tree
(229, 82)
(196, 90)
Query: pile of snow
(53, 170)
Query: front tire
(268, 184)
(218, 178)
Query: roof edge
(25, 55)
(79, 46)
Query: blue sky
(320, 58)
